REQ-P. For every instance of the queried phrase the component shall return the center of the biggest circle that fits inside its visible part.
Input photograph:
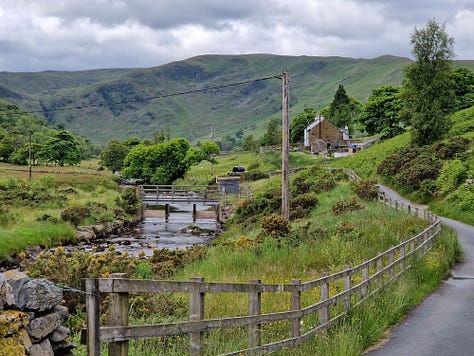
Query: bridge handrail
(179, 193)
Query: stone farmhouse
(321, 136)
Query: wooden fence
(338, 292)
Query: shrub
(448, 149)
(463, 197)
(129, 201)
(315, 179)
(343, 206)
(75, 214)
(452, 175)
(275, 225)
(393, 163)
(265, 203)
(253, 175)
(253, 166)
(305, 201)
(366, 189)
(6, 217)
(49, 218)
(419, 169)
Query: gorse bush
(303, 188)
(315, 179)
(342, 206)
(366, 189)
(275, 226)
(70, 268)
(75, 214)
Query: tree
(428, 96)
(113, 155)
(250, 143)
(62, 149)
(209, 149)
(463, 84)
(299, 124)
(272, 136)
(342, 109)
(381, 112)
(161, 163)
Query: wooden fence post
(296, 305)
(391, 258)
(196, 312)
(365, 276)
(347, 286)
(379, 268)
(118, 316)
(93, 316)
(402, 257)
(255, 308)
(324, 312)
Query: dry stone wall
(32, 317)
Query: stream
(179, 232)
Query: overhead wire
(215, 87)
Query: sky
(37, 35)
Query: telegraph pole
(29, 155)
(285, 174)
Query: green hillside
(313, 82)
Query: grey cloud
(83, 34)
(161, 14)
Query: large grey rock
(3, 292)
(59, 335)
(41, 349)
(26, 293)
(45, 325)
(63, 348)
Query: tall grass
(18, 238)
(26, 220)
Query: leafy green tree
(160, 163)
(381, 112)
(299, 124)
(272, 137)
(343, 109)
(131, 142)
(113, 155)
(428, 96)
(463, 82)
(62, 149)
(249, 143)
(209, 149)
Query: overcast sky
(40, 35)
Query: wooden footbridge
(168, 195)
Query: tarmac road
(443, 324)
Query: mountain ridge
(232, 111)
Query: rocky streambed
(152, 232)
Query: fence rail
(338, 293)
(161, 194)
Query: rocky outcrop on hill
(31, 317)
